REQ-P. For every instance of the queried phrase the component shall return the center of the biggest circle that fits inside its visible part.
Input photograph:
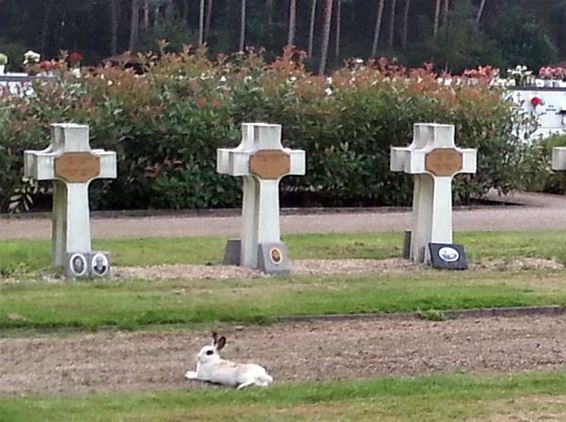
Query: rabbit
(212, 368)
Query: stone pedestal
(434, 160)
(71, 165)
(262, 161)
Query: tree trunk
(156, 16)
(208, 20)
(243, 25)
(405, 24)
(436, 20)
(114, 20)
(392, 25)
(146, 15)
(269, 7)
(185, 11)
(311, 27)
(338, 28)
(45, 29)
(480, 11)
(445, 15)
(201, 23)
(325, 35)
(377, 30)
(292, 21)
(134, 25)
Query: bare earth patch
(325, 267)
(291, 352)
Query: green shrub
(167, 124)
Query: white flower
(329, 81)
(359, 61)
(223, 79)
(328, 91)
(31, 57)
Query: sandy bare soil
(291, 352)
(325, 267)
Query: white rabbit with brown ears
(212, 368)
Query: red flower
(536, 101)
(75, 57)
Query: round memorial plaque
(449, 254)
(77, 167)
(78, 265)
(443, 162)
(99, 265)
(270, 164)
(276, 255)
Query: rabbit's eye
(209, 352)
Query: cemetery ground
(117, 350)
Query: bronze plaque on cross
(270, 164)
(77, 167)
(443, 162)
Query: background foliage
(167, 125)
(508, 32)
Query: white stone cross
(434, 160)
(262, 161)
(71, 165)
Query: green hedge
(167, 124)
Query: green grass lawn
(137, 303)
(532, 396)
(133, 304)
(35, 254)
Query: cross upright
(434, 160)
(262, 161)
(71, 165)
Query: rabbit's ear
(214, 338)
(221, 343)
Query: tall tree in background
(292, 21)
(134, 25)
(242, 26)
(201, 22)
(325, 35)
(436, 20)
(480, 11)
(114, 21)
(208, 20)
(146, 15)
(269, 7)
(45, 28)
(392, 24)
(185, 10)
(445, 14)
(377, 29)
(338, 28)
(311, 27)
(405, 25)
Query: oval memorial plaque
(270, 164)
(443, 162)
(77, 167)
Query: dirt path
(298, 352)
(538, 211)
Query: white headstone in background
(71, 165)
(559, 158)
(434, 160)
(262, 161)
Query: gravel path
(538, 211)
(291, 352)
